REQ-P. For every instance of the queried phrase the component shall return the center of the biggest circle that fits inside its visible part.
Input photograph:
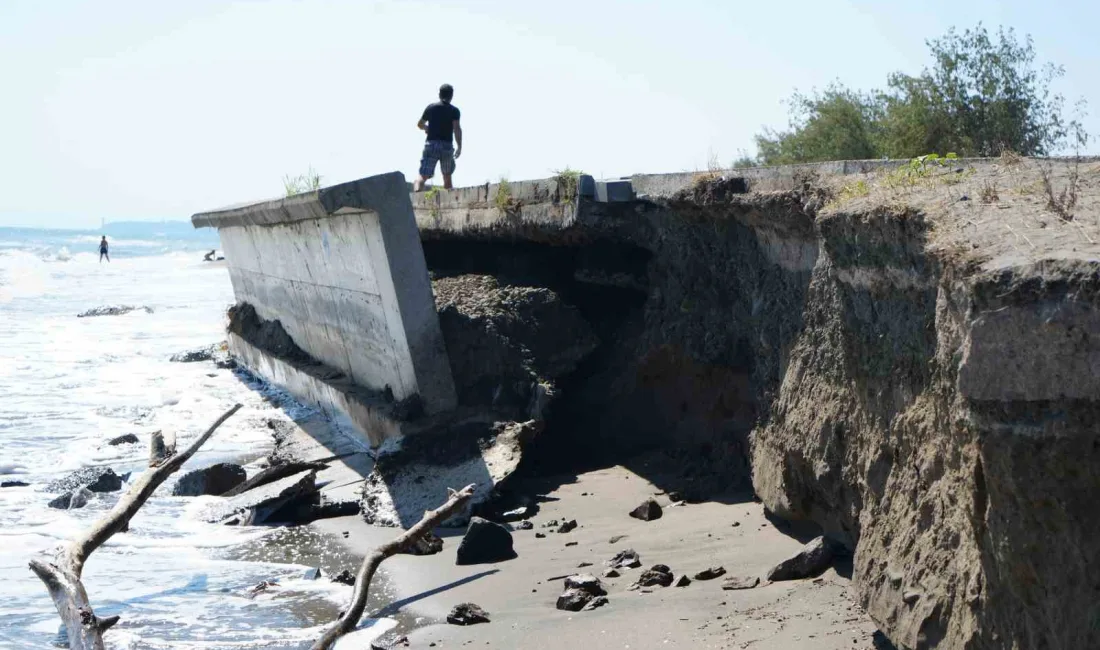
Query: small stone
(467, 614)
(710, 573)
(813, 559)
(616, 539)
(682, 581)
(540, 535)
(598, 601)
(584, 564)
(625, 559)
(657, 575)
(648, 510)
(567, 526)
(525, 525)
(125, 439)
(573, 600)
(571, 543)
(733, 583)
(345, 577)
(736, 524)
(485, 542)
(611, 573)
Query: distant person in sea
(103, 250)
(440, 121)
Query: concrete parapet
(343, 271)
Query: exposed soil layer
(906, 360)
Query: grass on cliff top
(1005, 211)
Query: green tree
(982, 95)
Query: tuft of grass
(989, 193)
(307, 182)
(432, 198)
(504, 201)
(568, 182)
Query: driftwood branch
(62, 576)
(431, 519)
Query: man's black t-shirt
(441, 118)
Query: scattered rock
(625, 559)
(125, 439)
(7, 484)
(193, 356)
(115, 310)
(571, 543)
(553, 523)
(263, 587)
(345, 577)
(647, 511)
(567, 526)
(657, 575)
(583, 565)
(429, 544)
(598, 601)
(739, 582)
(813, 559)
(78, 498)
(611, 573)
(574, 600)
(96, 479)
(736, 524)
(682, 581)
(540, 535)
(616, 539)
(467, 614)
(215, 480)
(485, 541)
(586, 582)
(710, 573)
(525, 525)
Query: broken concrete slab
(263, 504)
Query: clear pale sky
(142, 109)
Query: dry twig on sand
(431, 519)
(62, 575)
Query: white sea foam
(69, 385)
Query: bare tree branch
(431, 519)
(62, 577)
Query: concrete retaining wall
(343, 271)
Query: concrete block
(614, 191)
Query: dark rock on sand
(114, 310)
(193, 356)
(8, 484)
(733, 583)
(124, 439)
(567, 526)
(611, 573)
(574, 600)
(616, 539)
(581, 591)
(586, 582)
(345, 577)
(682, 581)
(647, 511)
(96, 479)
(215, 480)
(429, 544)
(657, 575)
(78, 498)
(524, 525)
(710, 573)
(485, 541)
(467, 614)
(625, 559)
(813, 559)
(598, 601)
(540, 535)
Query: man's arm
(422, 124)
(458, 138)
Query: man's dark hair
(446, 92)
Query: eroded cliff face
(918, 374)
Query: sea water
(68, 384)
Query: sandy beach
(520, 594)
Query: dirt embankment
(906, 360)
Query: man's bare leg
(418, 184)
(447, 181)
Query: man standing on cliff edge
(440, 121)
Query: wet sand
(520, 595)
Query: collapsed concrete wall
(341, 271)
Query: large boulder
(96, 479)
(811, 560)
(215, 480)
(485, 542)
